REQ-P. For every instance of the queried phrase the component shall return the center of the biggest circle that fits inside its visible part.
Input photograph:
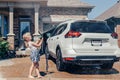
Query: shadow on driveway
(45, 73)
(90, 70)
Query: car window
(90, 27)
(55, 31)
(61, 29)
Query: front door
(24, 27)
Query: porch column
(11, 34)
(117, 30)
(36, 22)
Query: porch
(16, 18)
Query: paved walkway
(4, 63)
(1, 77)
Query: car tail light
(72, 34)
(68, 59)
(114, 35)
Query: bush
(4, 45)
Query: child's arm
(38, 44)
(38, 41)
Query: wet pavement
(17, 69)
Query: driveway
(2, 64)
(17, 69)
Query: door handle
(57, 37)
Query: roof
(114, 11)
(56, 3)
(22, 0)
(68, 3)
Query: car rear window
(90, 27)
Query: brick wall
(62, 11)
(47, 11)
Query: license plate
(96, 42)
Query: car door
(58, 37)
(50, 41)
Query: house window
(3, 26)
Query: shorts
(34, 56)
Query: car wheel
(59, 62)
(107, 66)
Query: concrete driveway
(17, 69)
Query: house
(20, 16)
(112, 16)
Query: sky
(100, 6)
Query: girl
(34, 56)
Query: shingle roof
(114, 11)
(22, 0)
(57, 3)
(68, 3)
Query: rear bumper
(85, 52)
(92, 60)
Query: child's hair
(25, 36)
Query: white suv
(83, 42)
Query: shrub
(4, 45)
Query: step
(23, 52)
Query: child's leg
(31, 70)
(37, 70)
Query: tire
(107, 66)
(59, 62)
